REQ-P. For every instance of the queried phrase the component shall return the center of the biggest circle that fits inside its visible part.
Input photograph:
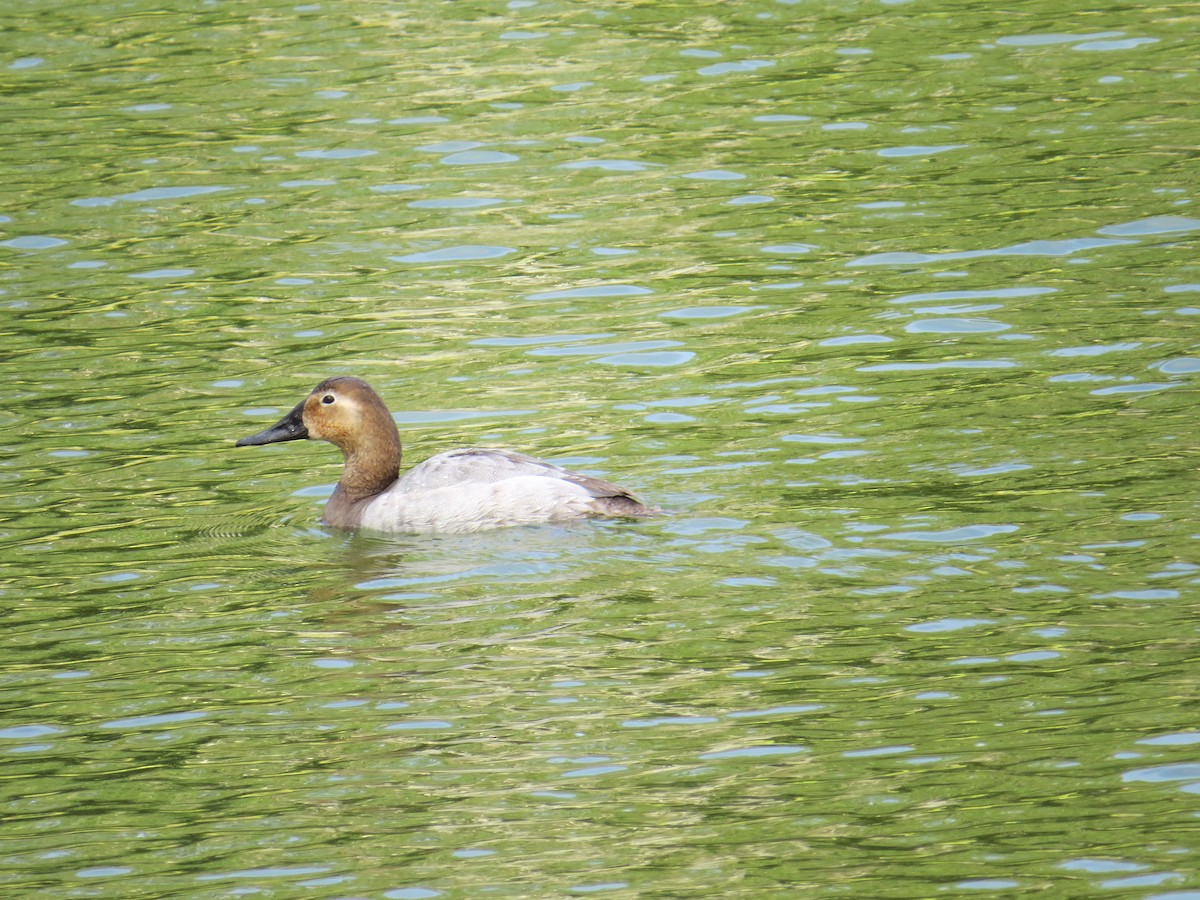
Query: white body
(472, 490)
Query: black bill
(289, 428)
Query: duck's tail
(623, 506)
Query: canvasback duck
(457, 491)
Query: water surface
(892, 305)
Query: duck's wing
(473, 465)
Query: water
(893, 305)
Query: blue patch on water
(1048, 38)
(1180, 365)
(935, 366)
(879, 751)
(788, 249)
(715, 175)
(462, 253)
(918, 150)
(1033, 656)
(333, 663)
(1141, 387)
(756, 752)
(776, 711)
(591, 771)
(597, 888)
(448, 147)
(851, 339)
(456, 203)
(1159, 774)
(1178, 739)
(1100, 866)
(608, 165)
(1152, 225)
(706, 312)
(33, 242)
(594, 290)
(479, 158)
(745, 65)
(341, 153)
(955, 326)
(1124, 44)
(1151, 594)
(164, 273)
(419, 725)
(396, 188)
(669, 720)
(103, 872)
(675, 358)
(953, 535)
(266, 872)
(25, 732)
(171, 193)
(153, 721)
(940, 626)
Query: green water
(893, 305)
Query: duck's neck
(372, 464)
(369, 471)
(371, 468)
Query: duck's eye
(328, 398)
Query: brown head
(348, 413)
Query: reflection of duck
(456, 491)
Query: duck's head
(344, 411)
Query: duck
(458, 491)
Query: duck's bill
(289, 428)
